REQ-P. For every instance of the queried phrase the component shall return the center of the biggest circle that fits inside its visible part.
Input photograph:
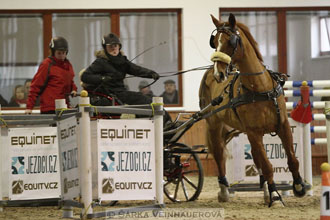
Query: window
(25, 36)
(325, 36)
(291, 38)
(84, 32)
(263, 27)
(21, 50)
(304, 36)
(156, 50)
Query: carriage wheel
(183, 174)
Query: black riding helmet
(110, 39)
(58, 43)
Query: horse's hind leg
(259, 153)
(262, 181)
(287, 140)
(217, 146)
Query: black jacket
(115, 67)
(3, 102)
(167, 100)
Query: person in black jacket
(3, 102)
(144, 88)
(170, 95)
(107, 73)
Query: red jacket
(60, 82)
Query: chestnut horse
(252, 102)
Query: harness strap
(231, 85)
(231, 93)
(252, 74)
(228, 105)
(251, 97)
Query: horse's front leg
(261, 160)
(299, 188)
(217, 146)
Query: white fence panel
(33, 154)
(126, 159)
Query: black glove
(155, 76)
(106, 79)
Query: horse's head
(228, 47)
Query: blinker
(212, 45)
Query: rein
(185, 71)
(175, 73)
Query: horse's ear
(232, 21)
(216, 22)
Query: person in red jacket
(53, 80)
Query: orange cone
(325, 192)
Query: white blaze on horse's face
(219, 43)
(219, 56)
(216, 71)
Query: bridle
(234, 41)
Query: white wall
(197, 26)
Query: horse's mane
(250, 38)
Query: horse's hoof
(298, 187)
(223, 194)
(266, 199)
(275, 200)
(274, 196)
(276, 203)
(299, 190)
(223, 197)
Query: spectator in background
(170, 95)
(3, 101)
(54, 79)
(18, 98)
(145, 89)
(27, 86)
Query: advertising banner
(242, 160)
(126, 159)
(69, 163)
(33, 155)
